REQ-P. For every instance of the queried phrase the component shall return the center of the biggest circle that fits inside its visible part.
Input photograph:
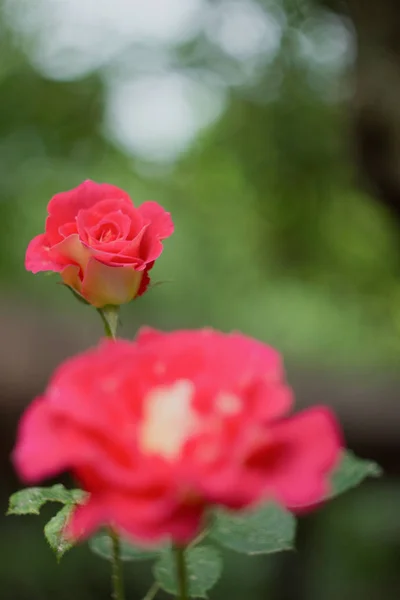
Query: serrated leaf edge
(68, 512)
(71, 502)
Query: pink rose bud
(162, 429)
(100, 243)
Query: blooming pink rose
(102, 246)
(159, 429)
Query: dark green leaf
(204, 567)
(30, 500)
(264, 530)
(351, 472)
(101, 544)
(54, 532)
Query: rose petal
(143, 521)
(222, 355)
(68, 229)
(71, 250)
(160, 227)
(87, 219)
(151, 247)
(54, 449)
(303, 451)
(37, 256)
(160, 220)
(117, 222)
(65, 206)
(86, 519)
(70, 276)
(121, 253)
(148, 521)
(104, 285)
(145, 282)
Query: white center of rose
(169, 419)
(228, 403)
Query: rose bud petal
(100, 243)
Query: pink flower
(102, 246)
(160, 429)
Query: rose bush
(160, 429)
(100, 243)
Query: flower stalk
(181, 573)
(117, 579)
(109, 315)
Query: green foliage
(263, 530)
(270, 528)
(54, 532)
(101, 545)
(204, 567)
(351, 472)
(29, 502)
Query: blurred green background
(271, 131)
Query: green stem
(109, 315)
(199, 538)
(151, 594)
(117, 581)
(181, 573)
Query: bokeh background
(271, 131)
